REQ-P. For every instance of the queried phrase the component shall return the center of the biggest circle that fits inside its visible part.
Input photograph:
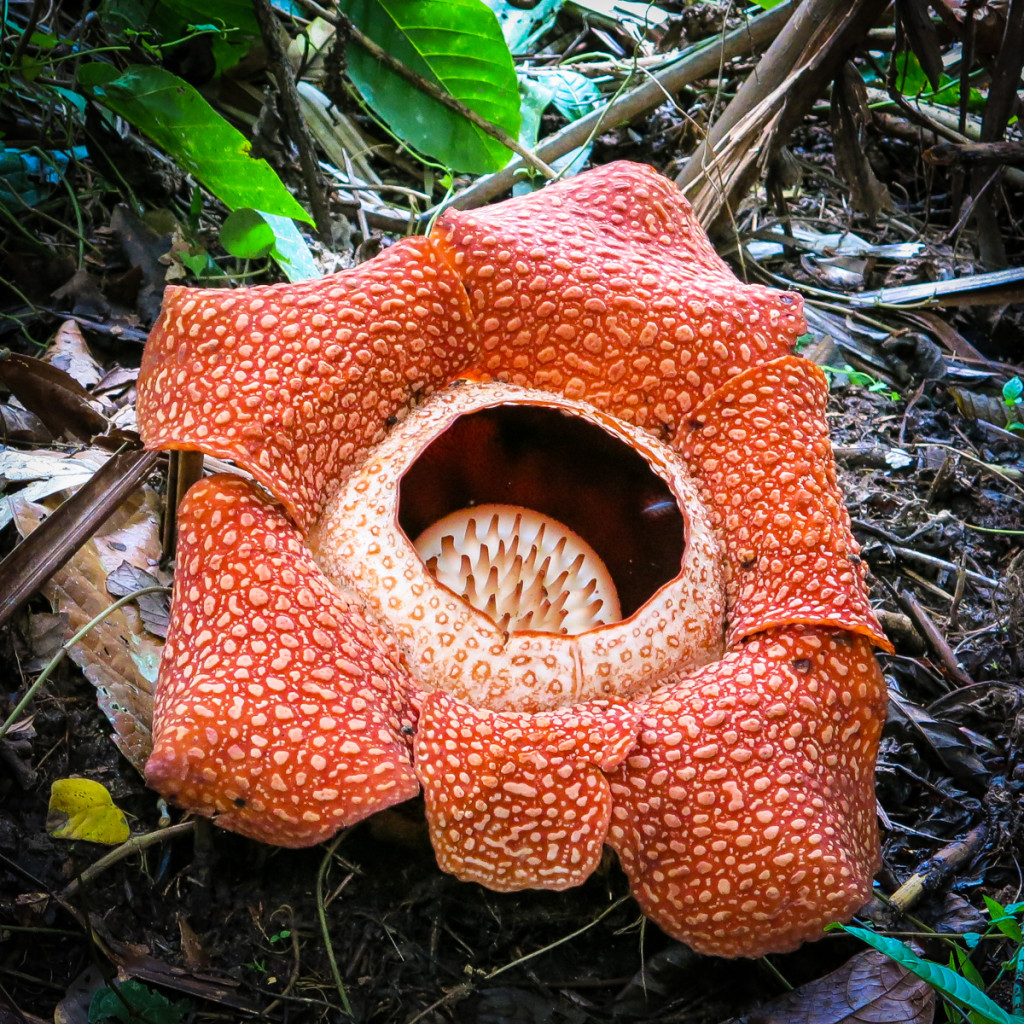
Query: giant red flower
(553, 534)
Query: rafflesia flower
(553, 535)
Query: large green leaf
(184, 125)
(457, 45)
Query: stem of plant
(321, 910)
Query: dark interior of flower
(580, 518)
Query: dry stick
(945, 154)
(1002, 97)
(281, 71)
(816, 39)
(344, 23)
(628, 106)
(184, 469)
(942, 563)
(930, 875)
(134, 845)
(933, 635)
(59, 536)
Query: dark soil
(242, 930)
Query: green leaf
(134, 1003)
(1003, 920)
(912, 81)
(231, 24)
(247, 235)
(959, 960)
(457, 45)
(82, 809)
(182, 123)
(955, 988)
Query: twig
(134, 845)
(703, 60)
(558, 942)
(933, 872)
(281, 71)
(941, 563)
(27, 33)
(342, 21)
(923, 621)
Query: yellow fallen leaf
(83, 809)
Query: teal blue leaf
(523, 26)
(291, 253)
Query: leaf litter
(931, 465)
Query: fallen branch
(801, 61)
(627, 106)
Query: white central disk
(525, 571)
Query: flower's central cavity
(523, 570)
(552, 524)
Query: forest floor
(367, 927)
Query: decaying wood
(947, 153)
(184, 469)
(1002, 99)
(932, 874)
(804, 57)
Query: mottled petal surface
(295, 381)
(518, 800)
(605, 288)
(760, 452)
(745, 818)
(281, 709)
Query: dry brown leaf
(69, 352)
(916, 21)
(52, 394)
(119, 656)
(868, 989)
(154, 608)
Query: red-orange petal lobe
(519, 800)
(760, 452)
(294, 381)
(604, 287)
(281, 708)
(745, 817)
